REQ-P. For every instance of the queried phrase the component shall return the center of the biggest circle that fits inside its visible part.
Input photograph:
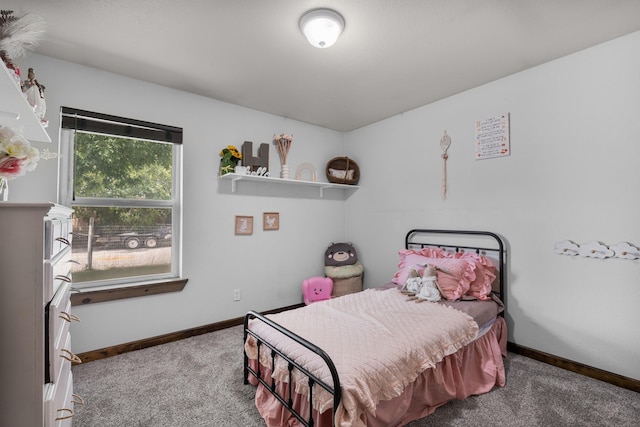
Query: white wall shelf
(234, 178)
(15, 111)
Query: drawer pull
(63, 278)
(70, 356)
(77, 399)
(63, 240)
(69, 412)
(68, 317)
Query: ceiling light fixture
(322, 27)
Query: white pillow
(340, 174)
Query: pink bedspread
(474, 369)
(379, 342)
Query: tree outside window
(124, 192)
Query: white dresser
(35, 279)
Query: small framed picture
(244, 224)
(271, 220)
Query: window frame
(73, 121)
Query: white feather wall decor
(19, 34)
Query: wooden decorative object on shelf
(253, 163)
(343, 170)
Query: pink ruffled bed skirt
(474, 369)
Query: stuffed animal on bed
(430, 290)
(413, 284)
(339, 254)
(422, 283)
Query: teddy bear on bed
(423, 285)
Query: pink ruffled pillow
(480, 288)
(454, 283)
(414, 254)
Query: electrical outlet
(236, 294)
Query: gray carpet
(197, 382)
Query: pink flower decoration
(17, 156)
(10, 167)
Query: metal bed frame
(287, 401)
(412, 240)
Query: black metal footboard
(287, 401)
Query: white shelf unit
(15, 111)
(320, 186)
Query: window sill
(111, 294)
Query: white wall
(268, 267)
(573, 174)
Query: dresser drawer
(58, 320)
(64, 416)
(57, 236)
(56, 272)
(59, 401)
(61, 358)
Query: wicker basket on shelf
(343, 170)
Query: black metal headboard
(483, 243)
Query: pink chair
(316, 289)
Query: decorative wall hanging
(625, 250)
(244, 225)
(18, 34)
(594, 249)
(283, 144)
(567, 247)
(253, 163)
(445, 142)
(271, 220)
(492, 137)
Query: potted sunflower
(230, 158)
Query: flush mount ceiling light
(322, 27)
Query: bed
(379, 357)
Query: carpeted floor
(197, 382)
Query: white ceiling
(393, 56)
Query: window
(122, 179)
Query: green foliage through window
(120, 168)
(121, 176)
(112, 167)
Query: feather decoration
(17, 35)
